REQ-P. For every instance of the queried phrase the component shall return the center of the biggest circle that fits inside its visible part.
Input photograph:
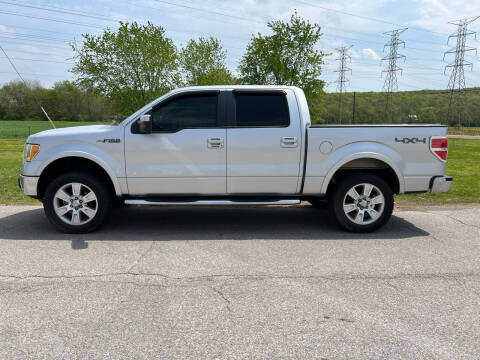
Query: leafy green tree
(287, 57)
(68, 101)
(130, 66)
(18, 100)
(203, 63)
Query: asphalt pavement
(240, 283)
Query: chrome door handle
(215, 143)
(289, 142)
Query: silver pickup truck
(231, 145)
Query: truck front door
(184, 154)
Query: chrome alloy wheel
(75, 203)
(363, 204)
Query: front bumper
(28, 184)
(440, 184)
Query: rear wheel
(361, 202)
(77, 202)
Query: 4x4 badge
(411, 140)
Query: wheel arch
(372, 163)
(77, 162)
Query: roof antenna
(20, 76)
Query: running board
(211, 202)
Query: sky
(36, 34)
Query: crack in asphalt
(392, 285)
(337, 277)
(223, 296)
(453, 218)
(140, 258)
(436, 239)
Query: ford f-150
(231, 145)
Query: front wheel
(361, 202)
(77, 202)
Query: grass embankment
(463, 164)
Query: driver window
(190, 111)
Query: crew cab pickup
(231, 145)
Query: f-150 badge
(411, 140)
(109, 141)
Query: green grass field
(463, 164)
(20, 129)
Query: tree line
(424, 106)
(65, 101)
(119, 71)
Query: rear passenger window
(261, 110)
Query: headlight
(30, 151)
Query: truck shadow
(203, 223)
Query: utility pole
(456, 84)
(390, 86)
(342, 80)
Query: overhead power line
(36, 52)
(59, 10)
(39, 60)
(170, 3)
(50, 19)
(36, 29)
(14, 34)
(456, 84)
(34, 42)
(364, 17)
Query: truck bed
(403, 148)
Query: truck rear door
(263, 142)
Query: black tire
(103, 202)
(339, 194)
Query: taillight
(439, 147)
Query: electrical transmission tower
(391, 85)
(456, 84)
(342, 80)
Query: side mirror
(145, 124)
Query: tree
(203, 63)
(18, 100)
(68, 101)
(287, 57)
(130, 67)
